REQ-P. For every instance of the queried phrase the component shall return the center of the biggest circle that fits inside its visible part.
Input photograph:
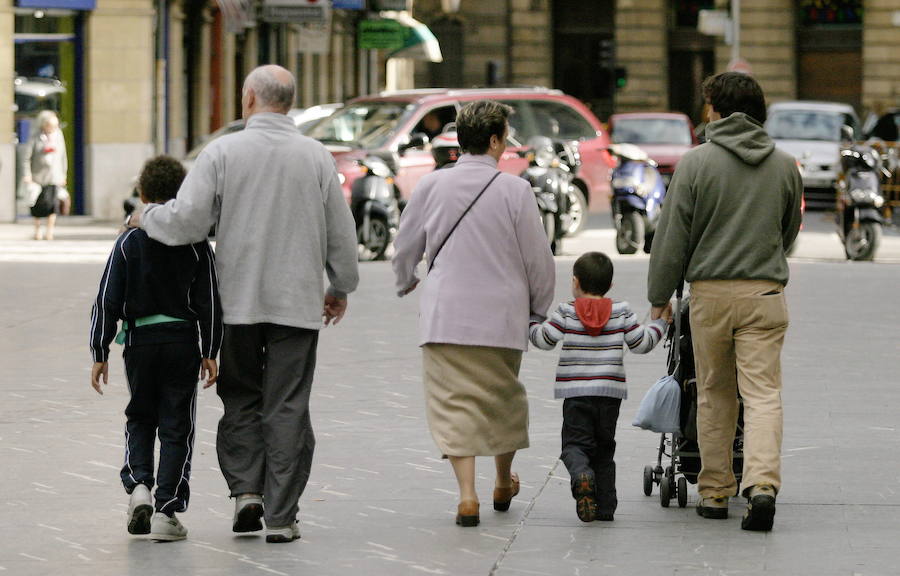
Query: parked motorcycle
(374, 203)
(638, 192)
(550, 175)
(859, 198)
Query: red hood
(593, 313)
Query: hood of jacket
(593, 313)
(743, 136)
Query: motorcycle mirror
(846, 134)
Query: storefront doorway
(48, 63)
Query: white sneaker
(140, 509)
(166, 529)
(278, 535)
(248, 511)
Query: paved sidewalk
(381, 501)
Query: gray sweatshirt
(281, 221)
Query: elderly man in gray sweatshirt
(282, 221)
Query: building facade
(132, 78)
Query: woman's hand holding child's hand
(209, 366)
(98, 370)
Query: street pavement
(382, 502)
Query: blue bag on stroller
(660, 410)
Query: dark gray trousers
(265, 441)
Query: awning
(419, 42)
(238, 14)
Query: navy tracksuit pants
(162, 379)
(589, 444)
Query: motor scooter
(375, 208)
(859, 198)
(638, 192)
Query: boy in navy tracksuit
(163, 294)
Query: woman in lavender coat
(492, 275)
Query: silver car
(811, 132)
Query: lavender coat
(494, 273)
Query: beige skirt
(474, 401)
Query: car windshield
(363, 125)
(651, 131)
(806, 125)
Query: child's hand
(98, 370)
(667, 313)
(209, 366)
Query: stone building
(138, 77)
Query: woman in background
(46, 165)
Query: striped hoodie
(594, 332)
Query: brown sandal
(467, 513)
(503, 496)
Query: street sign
(289, 11)
(349, 4)
(380, 35)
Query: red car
(664, 136)
(398, 126)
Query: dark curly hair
(160, 179)
(731, 92)
(594, 271)
(478, 121)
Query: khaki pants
(738, 329)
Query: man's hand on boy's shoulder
(98, 370)
(209, 371)
(134, 219)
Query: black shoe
(585, 500)
(713, 508)
(760, 509)
(606, 516)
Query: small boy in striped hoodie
(591, 378)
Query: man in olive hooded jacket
(731, 212)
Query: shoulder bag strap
(447, 237)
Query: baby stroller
(680, 449)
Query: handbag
(660, 409)
(45, 203)
(466, 211)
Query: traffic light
(606, 56)
(621, 76)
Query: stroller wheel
(648, 480)
(682, 492)
(665, 491)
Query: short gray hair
(478, 121)
(271, 91)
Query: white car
(811, 132)
(304, 119)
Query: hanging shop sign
(315, 37)
(386, 5)
(295, 10)
(348, 4)
(380, 35)
(57, 4)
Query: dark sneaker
(714, 508)
(760, 509)
(585, 500)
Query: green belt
(145, 321)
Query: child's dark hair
(594, 271)
(160, 179)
